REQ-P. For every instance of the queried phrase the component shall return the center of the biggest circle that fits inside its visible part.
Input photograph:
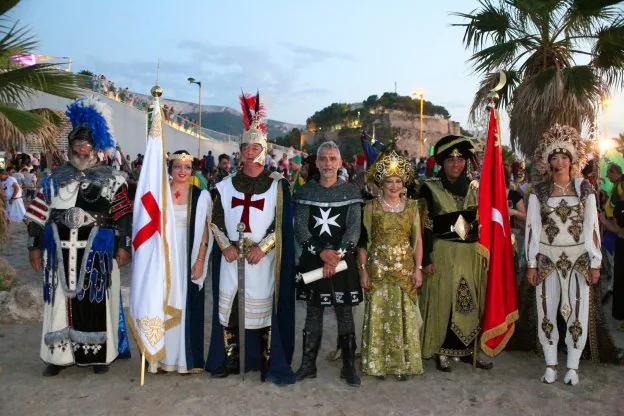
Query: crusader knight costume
(563, 244)
(78, 221)
(329, 218)
(453, 293)
(262, 204)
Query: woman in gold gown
(390, 272)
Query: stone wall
(434, 128)
(408, 125)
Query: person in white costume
(80, 231)
(184, 342)
(260, 200)
(13, 193)
(562, 248)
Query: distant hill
(231, 122)
(225, 119)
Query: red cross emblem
(152, 227)
(247, 203)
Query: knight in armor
(327, 225)
(80, 234)
(563, 249)
(453, 292)
(260, 200)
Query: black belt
(74, 218)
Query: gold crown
(185, 157)
(388, 165)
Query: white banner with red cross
(155, 304)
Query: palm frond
(6, 5)
(540, 13)
(586, 16)
(490, 23)
(495, 56)
(15, 40)
(10, 134)
(48, 134)
(42, 126)
(19, 83)
(609, 53)
(564, 96)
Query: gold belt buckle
(461, 227)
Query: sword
(241, 299)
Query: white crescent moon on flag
(502, 80)
(498, 217)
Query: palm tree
(559, 57)
(18, 82)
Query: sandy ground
(511, 388)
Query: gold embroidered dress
(559, 244)
(390, 339)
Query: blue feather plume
(94, 115)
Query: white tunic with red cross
(257, 211)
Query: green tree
(538, 44)
(18, 82)
(370, 102)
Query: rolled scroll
(316, 274)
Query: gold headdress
(185, 157)
(390, 164)
(255, 124)
(560, 139)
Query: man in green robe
(454, 264)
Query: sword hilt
(241, 237)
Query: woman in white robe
(192, 211)
(563, 249)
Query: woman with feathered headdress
(563, 248)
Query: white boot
(550, 376)
(571, 378)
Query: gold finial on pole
(156, 91)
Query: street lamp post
(420, 93)
(192, 80)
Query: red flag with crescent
(501, 309)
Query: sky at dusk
(301, 55)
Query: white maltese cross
(325, 221)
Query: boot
(100, 369)
(348, 347)
(265, 352)
(231, 363)
(311, 345)
(481, 363)
(52, 370)
(443, 363)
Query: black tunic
(329, 218)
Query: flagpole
(492, 97)
(142, 368)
